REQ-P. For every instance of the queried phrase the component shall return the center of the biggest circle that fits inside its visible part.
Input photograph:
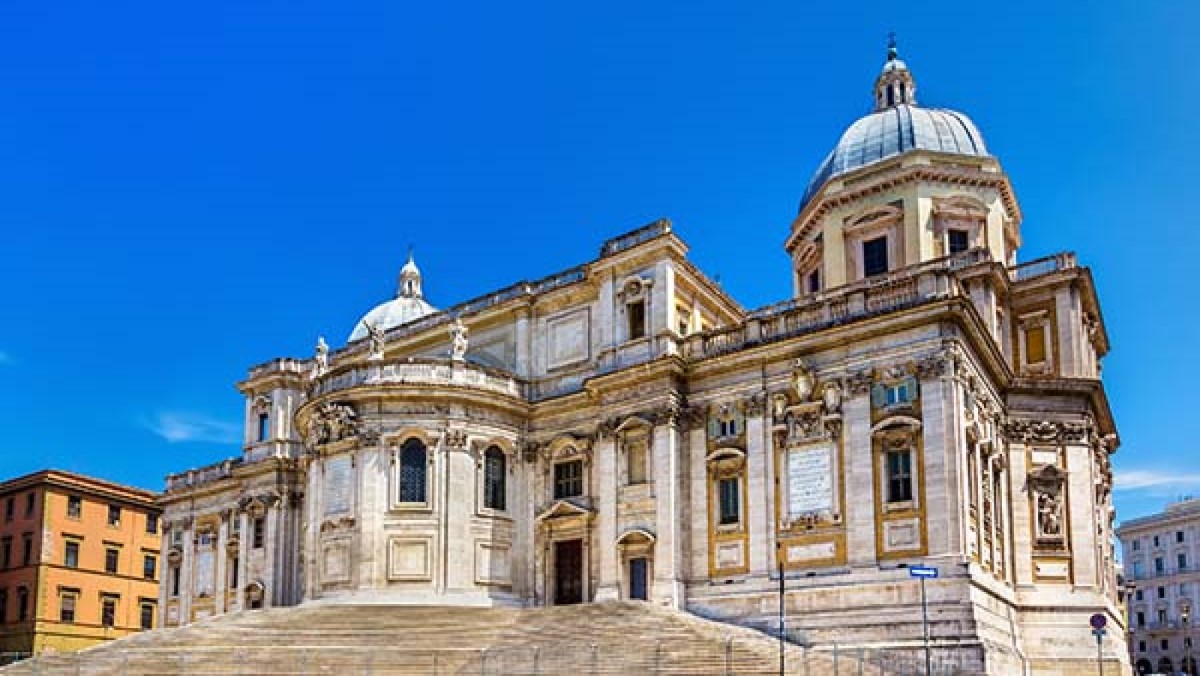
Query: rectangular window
(108, 611)
(151, 524)
(111, 558)
(27, 549)
(1138, 570)
(898, 394)
(899, 475)
(10, 506)
(958, 240)
(1035, 344)
(74, 506)
(875, 256)
(1137, 595)
(22, 604)
(6, 553)
(1137, 545)
(3, 606)
(1181, 559)
(637, 319)
(147, 619)
(174, 580)
(264, 426)
(730, 502)
(233, 573)
(1141, 619)
(30, 501)
(149, 566)
(1162, 592)
(1156, 542)
(71, 554)
(568, 479)
(114, 515)
(1165, 644)
(814, 281)
(1162, 616)
(1160, 566)
(259, 532)
(1141, 646)
(66, 608)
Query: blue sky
(188, 189)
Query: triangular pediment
(562, 509)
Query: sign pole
(782, 628)
(925, 622)
(922, 573)
(1098, 622)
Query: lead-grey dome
(897, 126)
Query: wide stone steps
(624, 638)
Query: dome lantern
(895, 85)
(409, 304)
(410, 279)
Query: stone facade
(1159, 553)
(625, 429)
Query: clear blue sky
(187, 189)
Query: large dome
(408, 306)
(897, 126)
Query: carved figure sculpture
(458, 340)
(322, 358)
(831, 396)
(803, 381)
(1049, 514)
(377, 342)
(332, 422)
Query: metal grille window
(730, 500)
(899, 475)
(568, 479)
(259, 536)
(875, 256)
(413, 471)
(494, 479)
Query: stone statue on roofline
(458, 340)
(375, 333)
(322, 358)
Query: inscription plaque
(810, 480)
(338, 482)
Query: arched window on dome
(494, 479)
(413, 474)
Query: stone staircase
(627, 638)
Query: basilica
(624, 429)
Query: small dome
(408, 306)
(393, 313)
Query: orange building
(79, 561)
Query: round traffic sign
(1098, 621)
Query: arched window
(412, 471)
(494, 479)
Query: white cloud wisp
(1143, 479)
(180, 426)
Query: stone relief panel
(493, 564)
(409, 558)
(568, 339)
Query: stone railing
(894, 291)
(282, 365)
(417, 372)
(1042, 266)
(202, 475)
(635, 237)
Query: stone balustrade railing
(887, 293)
(635, 237)
(1042, 266)
(417, 372)
(202, 475)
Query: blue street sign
(922, 571)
